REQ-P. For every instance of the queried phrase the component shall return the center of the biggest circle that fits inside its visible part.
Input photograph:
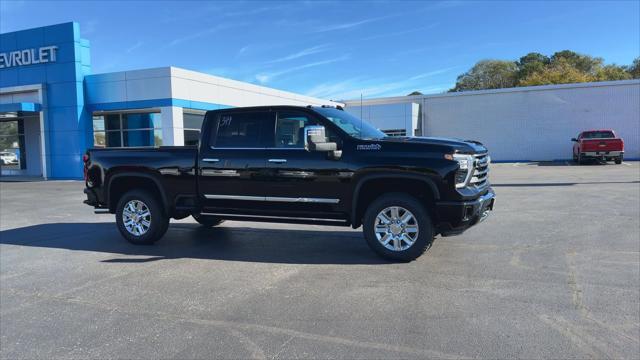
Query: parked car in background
(8, 158)
(598, 145)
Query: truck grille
(480, 175)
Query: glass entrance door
(12, 146)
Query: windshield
(350, 124)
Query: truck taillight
(85, 160)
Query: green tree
(584, 63)
(612, 72)
(560, 71)
(415, 93)
(531, 63)
(488, 74)
(634, 69)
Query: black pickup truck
(307, 165)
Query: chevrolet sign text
(28, 57)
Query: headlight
(465, 168)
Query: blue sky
(335, 50)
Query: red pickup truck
(598, 144)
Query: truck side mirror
(315, 139)
(574, 139)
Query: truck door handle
(211, 160)
(278, 161)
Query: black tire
(618, 160)
(158, 220)
(580, 160)
(208, 221)
(425, 227)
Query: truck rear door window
(239, 130)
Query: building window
(395, 132)
(192, 123)
(129, 129)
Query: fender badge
(374, 147)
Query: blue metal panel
(62, 72)
(7, 42)
(8, 77)
(64, 94)
(85, 54)
(66, 143)
(66, 166)
(67, 52)
(22, 106)
(33, 74)
(56, 34)
(100, 78)
(59, 119)
(30, 38)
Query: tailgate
(601, 145)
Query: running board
(281, 218)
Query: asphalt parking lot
(553, 273)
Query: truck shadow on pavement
(564, 183)
(184, 240)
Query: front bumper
(457, 216)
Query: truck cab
(308, 165)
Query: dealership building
(52, 108)
(518, 124)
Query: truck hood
(463, 146)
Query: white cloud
(432, 73)
(350, 24)
(134, 47)
(304, 52)
(243, 50)
(211, 30)
(355, 87)
(266, 77)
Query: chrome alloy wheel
(136, 217)
(396, 228)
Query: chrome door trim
(277, 161)
(272, 199)
(302, 200)
(218, 172)
(274, 217)
(234, 197)
(211, 160)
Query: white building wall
(172, 126)
(181, 84)
(532, 123)
(400, 116)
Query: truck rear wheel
(618, 160)
(140, 218)
(398, 227)
(208, 221)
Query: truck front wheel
(208, 221)
(398, 227)
(140, 218)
